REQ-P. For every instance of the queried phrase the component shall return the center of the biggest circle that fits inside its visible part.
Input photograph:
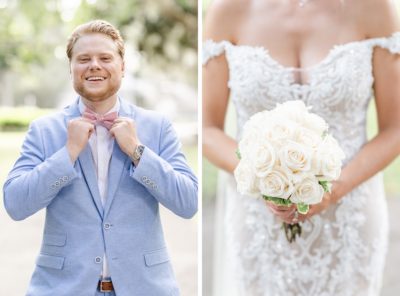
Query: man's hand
(79, 132)
(124, 132)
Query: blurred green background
(161, 60)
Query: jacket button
(107, 226)
(97, 260)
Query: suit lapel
(119, 160)
(89, 171)
(117, 165)
(85, 160)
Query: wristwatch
(137, 153)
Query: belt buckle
(101, 286)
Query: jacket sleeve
(35, 179)
(167, 176)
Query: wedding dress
(341, 251)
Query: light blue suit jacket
(79, 230)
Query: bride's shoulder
(379, 18)
(223, 17)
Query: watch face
(138, 152)
(141, 149)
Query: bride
(335, 55)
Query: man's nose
(94, 63)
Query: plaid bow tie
(106, 120)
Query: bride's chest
(343, 79)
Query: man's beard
(97, 96)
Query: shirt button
(107, 226)
(97, 260)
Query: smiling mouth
(95, 78)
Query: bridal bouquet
(287, 157)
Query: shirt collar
(82, 106)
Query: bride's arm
(218, 147)
(385, 146)
(378, 19)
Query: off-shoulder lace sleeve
(212, 49)
(391, 43)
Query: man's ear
(123, 68)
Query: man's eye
(85, 60)
(106, 59)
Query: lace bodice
(342, 250)
(338, 88)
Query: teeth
(95, 78)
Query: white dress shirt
(102, 144)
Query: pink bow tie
(106, 120)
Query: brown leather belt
(105, 286)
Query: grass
(18, 118)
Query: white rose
(264, 158)
(308, 191)
(292, 109)
(246, 179)
(315, 123)
(300, 113)
(276, 184)
(248, 143)
(295, 157)
(328, 159)
(280, 129)
(307, 137)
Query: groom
(100, 168)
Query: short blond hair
(96, 26)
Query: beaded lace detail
(341, 251)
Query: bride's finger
(279, 208)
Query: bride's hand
(288, 213)
(327, 200)
(285, 213)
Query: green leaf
(278, 201)
(302, 208)
(326, 185)
(238, 154)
